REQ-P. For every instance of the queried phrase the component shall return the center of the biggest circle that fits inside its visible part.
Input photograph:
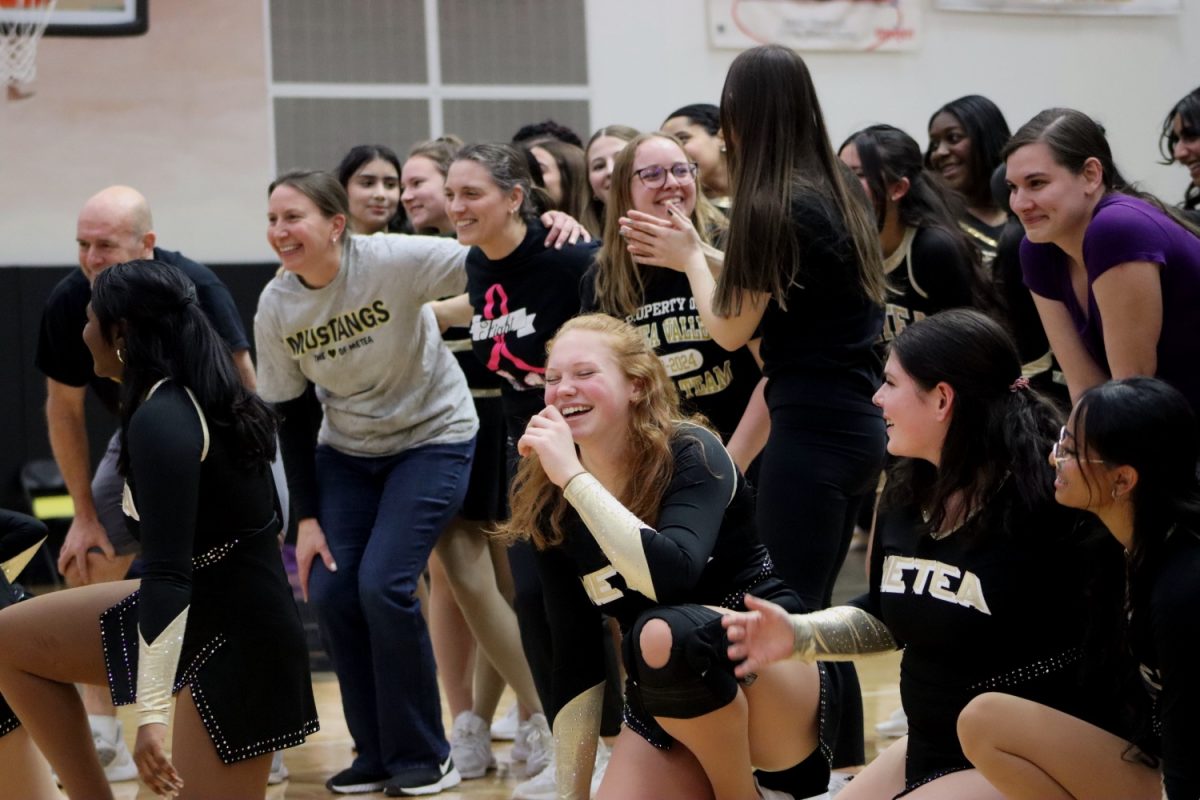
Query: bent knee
(654, 643)
(981, 721)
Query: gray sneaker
(471, 745)
(279, 771)
(534, 744)
(115, 756)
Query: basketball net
(22, 23)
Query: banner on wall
(856, 25)
(1125, 7)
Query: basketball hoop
(22, 23)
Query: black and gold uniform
(1004, 603)
(703, 550)
(214, 612)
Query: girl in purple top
(1115, 274)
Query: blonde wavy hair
(620, 281)
(538, 506)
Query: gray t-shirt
(370, 344)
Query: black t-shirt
(710, 379)
(928, 274)
(998, 605)
(820, 351)
(520, 301)
(704, 549)
(61, 353)
(1165, 638)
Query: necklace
(937, 536)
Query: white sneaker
(771, 794)
(602, 755)
(279, 771)
(471, 745)
(114, 756)
(894, 726)
(534, 744)
(505, 728)
(542, 786)
(837, 782)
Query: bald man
(114, 226)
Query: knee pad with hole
(698, 676)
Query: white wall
(182, 113)
(649, 57)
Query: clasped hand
(658, 242)
(549, 436)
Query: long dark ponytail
(1000, 430)
(887, 155)
(168, 335)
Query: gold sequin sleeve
(157, 663)
(615, 529)
(576, 731)
(839, 634)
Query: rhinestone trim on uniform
(1029, 672)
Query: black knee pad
(698, 676)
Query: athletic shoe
(471, 746)
(541, 786)
(771, 794)
(837, 782)
(534, 745)
(279, 771)
(894, 726)
(602, 754)
(423, 780)
(114, 756)
(505, 728)
(353, 780)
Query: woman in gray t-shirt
(388, 468)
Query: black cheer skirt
(244, 654)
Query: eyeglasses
(1060, 453)
(655, 176)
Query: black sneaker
(423, 780)
(354, 780)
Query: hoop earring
(1114, 493)
(120, 357)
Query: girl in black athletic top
(967, 593)
(651, 523)
(213, 618)
(930, 262)
(802, 269)
(965, 139)
(654, 174)
(1127, 454)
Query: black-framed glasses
(1060, 453)
(655, 175)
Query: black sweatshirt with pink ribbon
(519, 302)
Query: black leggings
(820, 465)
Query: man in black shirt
(114, 226)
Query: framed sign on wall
(852, 25)
(1099, 7)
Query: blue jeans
(381, 517)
